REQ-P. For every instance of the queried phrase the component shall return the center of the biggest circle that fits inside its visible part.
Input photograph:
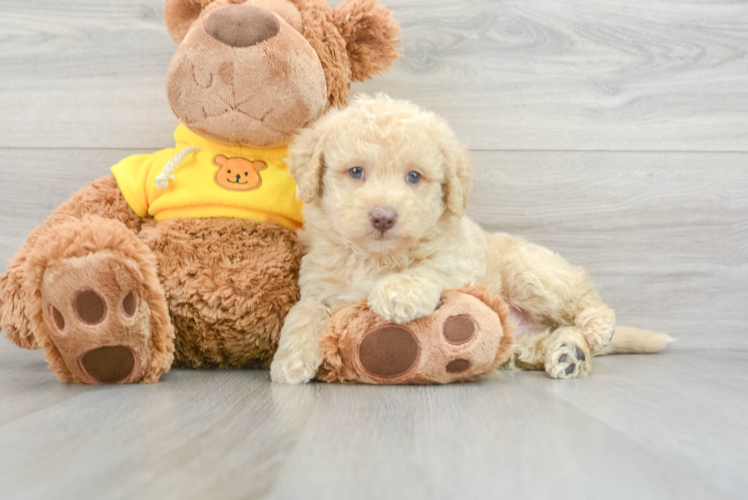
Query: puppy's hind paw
(568, 361)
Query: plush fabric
(214, 180)
(145, 270)
(371, 34)
(98, 254)
(259, 95)
(359, 346)
(230, 284)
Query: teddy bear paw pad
(458, 366)
(388, 351)
(459, 329)
(109, 364)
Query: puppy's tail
(627, 339)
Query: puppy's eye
(356, 172)
(246, 173)
(229, 171)
(413, 178)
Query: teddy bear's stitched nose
(241, 25)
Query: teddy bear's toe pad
(458, 366)
(90, 307)
(388, 351)
(109, 364)
(459, 329)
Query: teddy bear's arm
(103, 198)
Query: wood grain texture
(664, 235)
(611, 131)
(641, 427)
(507, 74)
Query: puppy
(385, 186)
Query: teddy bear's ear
(371, 34)
(180, 14)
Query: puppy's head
(384, 173)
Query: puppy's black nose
(383, 218)
(238, 177)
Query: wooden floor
(659, 427)
(612, 131)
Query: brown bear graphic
(238, 174)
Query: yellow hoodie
(210, 180)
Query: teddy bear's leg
(85, 289)
(463, 339)
(95, 303)
(102, 197)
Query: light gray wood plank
(34, 182)
(659, 426)
(193, 435)
(690, 406)
(664, 236)
(581, 75)
(507, 74)
(27, 385)
(517, 436)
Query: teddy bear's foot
(97, 318)
(568, 355)
(100, 312)
(463, 339)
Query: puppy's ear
(306, 159)
(458, 177)
(180, 14)
(371, 34)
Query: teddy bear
(189, 256)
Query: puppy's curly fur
(429, 247)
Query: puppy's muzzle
(383, 218)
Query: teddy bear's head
(254, 72)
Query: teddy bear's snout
(241, 25)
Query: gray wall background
(614, 132)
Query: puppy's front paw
(401, 298)
(294, 367)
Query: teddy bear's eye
(413, 178)
(356, 172)
(229, 171)
(246, 173)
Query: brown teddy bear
(189, 256)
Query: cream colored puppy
(385, 186)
